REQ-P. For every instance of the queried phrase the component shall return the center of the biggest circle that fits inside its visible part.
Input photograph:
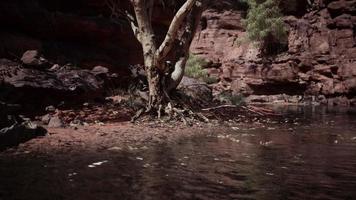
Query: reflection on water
(309, 155)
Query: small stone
(97, 164)
(45, 118)
(50, 108)
(55, 67)
(146, 165)
(100, 70)
(55, 122)
(33, 58)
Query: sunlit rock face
(320, 59)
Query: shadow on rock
(19, 133)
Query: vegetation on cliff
(265, 26)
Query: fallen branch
(218, 107)
(261, 111)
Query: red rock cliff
(320, 61)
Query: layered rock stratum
(319, 64)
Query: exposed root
(138, 114)
(186, 115)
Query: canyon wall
(80, 32)
(319, 65)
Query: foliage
(230, 98)
(194, 67)
(264, 25)
(211, 80)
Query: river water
(309, 154)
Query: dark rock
(38, 88)
(339, 101)
(50, 108)
(55, 67)
(82, 32)
(18, 133)
(33, 58)
(342, 21)
(100, 70)
(199, 93)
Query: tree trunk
(185, 20)
(156, 95)
(147, 38)
(182, 53)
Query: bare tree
(163, 75)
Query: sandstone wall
(320, 61)
(80, 32)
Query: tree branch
(134, 26)
(116, 13)
(150, 7)
(178, 19)
(182, 51)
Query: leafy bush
(228, 97)
(264, 25)
(194, 67)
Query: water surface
(309, 154)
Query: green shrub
(210, 80)
(194, 67)
(264, 25)
(228, 97)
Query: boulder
(100, 71)
(198, 92)
(36, 88)
(33, 58)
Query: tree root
(186, 115)
(138, 114)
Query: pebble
(115, 149)
(97, 164)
